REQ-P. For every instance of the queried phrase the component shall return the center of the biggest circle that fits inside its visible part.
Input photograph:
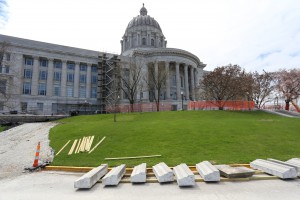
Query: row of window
(4, 69)
(57, 76)
(7, 56)
(42, 90)
(58, 64)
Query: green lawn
(2, 128)
(180, 137)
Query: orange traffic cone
(37, 154)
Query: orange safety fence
(227, 105)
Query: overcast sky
(255, 34)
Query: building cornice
(167, 52)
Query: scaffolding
(108, 93)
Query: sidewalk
(58, 185)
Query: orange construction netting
(227, 105)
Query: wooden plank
(73, 147)
(78, 145)
(91, 142)
(87, 143)
(135, 157)
(82, 144)
(63, 147)
(97, 144)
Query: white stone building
(48, 78)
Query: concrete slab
(89, 179)
(290, 164)
(163, 173)
(276, 169)
(184, 176)
(208, 172)
(138, 174)
(114, 176)
(50, 185)
(235, 172)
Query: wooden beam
(135, 157)
(78, 145)
(73, 147)
(97, 144)
(63, 147)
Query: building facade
(43, 78)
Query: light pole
(181, 100)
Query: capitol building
(43, 78)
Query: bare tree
(131, 80)
(263, 86)
(226, 83)
(156, 81)
(288, 82)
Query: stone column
(167, 68)
(88, 81)
(144, 82)
(186, 82)
(35, 76)
(50, 78)
(64, 78)
(178, 82)
(76, 80)
(156, 78)
(192, 83)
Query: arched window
(152, 42)
(144, 41)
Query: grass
(2, 128)
(180, 137)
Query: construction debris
(97, 145)
(63, 147)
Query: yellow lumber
(78, 145)
(97, 144)
(87, 143)
(135, 157)
(82, 144)
(63, 147)
(73, 147)
(91, 142)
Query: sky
(255, 34)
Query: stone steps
(89, 179)
(276, 169)
(184, 176)
(114, 176)
(163, 173)
(208, 172)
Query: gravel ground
(18, 146)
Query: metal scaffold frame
(107, 82)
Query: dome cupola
(143, 31)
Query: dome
(143, 19)
(143, 31)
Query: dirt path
(18, 146)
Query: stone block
(235, 172)
(184, 175)
(276, 169)
(114, 176)
(290, 164)
(208, 172)
(163, 173)
(138, 174)
(89, 179)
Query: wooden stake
(82, 144)
(73, 147)
(97, 144)
(63, 147)
(78, 145)
(87, 143)
(91, 142)
(136, 157)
